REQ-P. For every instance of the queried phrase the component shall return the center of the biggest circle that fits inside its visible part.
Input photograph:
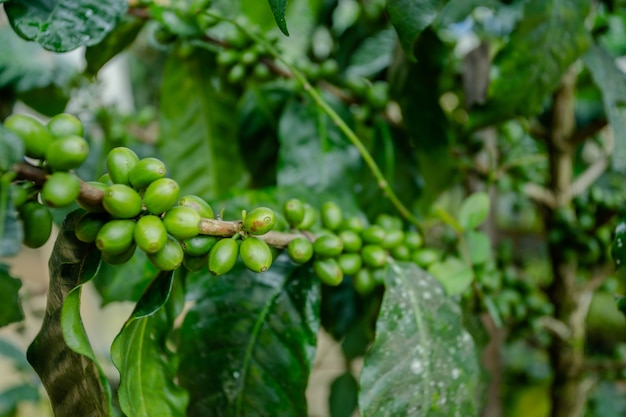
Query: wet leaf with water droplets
(423, 362)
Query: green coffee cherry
(374, 256)
(248, 57)
(170, 257)
(255, 254)
(66, 153)
(198, 204)
(373, 234)
(116, 236)
(65, 124)
(145, 172)
(195, 263)
(350, 263)
(120, 161)
(300, 250)
(393, 238)
(105, 179)
(388, 222)
(182, 222)
(33, 133)
(259, 221)
(401, 253)
(120, 258)
(223, 256)
(89, 206)
(328, 271)
(60, 189)
(88, 226)
(20, 193)
(198, 245)
(352, 241)
(261, 71)
(37, 222)
(121, 201)
(310, 217)
(354, 224)
(328, 245)
(227, 57)
(413, 240)
(294, 212)
(331, 215)
(236, 73)
(161, 195)
(150, 234)
(425, 256)
(364, 283)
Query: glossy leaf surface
(423, 362)
(279, 7)
(248, 344)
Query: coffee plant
(437, 185)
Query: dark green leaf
(11, 398)
(423, 362)
(147, 367)
(373, 55)
(618, 251)
(473, 211)
(63, 25)
(248, 345)
(411, 17)
(343, 398)
(10, 308)
(550, 37)
(198, 119)
(612, 82)
(126, 282)
(279, 7)
(313, 153)
(61, 353)
(11, 232)
(114, 43)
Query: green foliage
(10, 309)
(279, 7)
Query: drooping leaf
(248, 345)
(549, 38)
(113, 43)
(423, 362)
(10, 308)
(63, 25)
(198, 119)
(453, 274)
(313, 153)
(147, 367)
(618, 250)
(474, 211)
(61, 354)
(611, 81)
(411, 17)
(279, 7)
(11, 232)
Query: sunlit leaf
(248, 344)
(61, 353)
(147, 367)
(474, 211)
(423, 363)
(453, 274)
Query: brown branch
(589, 176)
(540, 195)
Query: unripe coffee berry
(170, 257)
(350, 263)
(121, 201)
(255, 254)
(145, 172)
(37, 222)
(328, 271)
(374, 256)
(150, 234)
(33, 133)
(223, 256)
(60, 189)
(259, 221)
(161, 195)
(198, 204)
(88, 226)
(373, 234)
(119, 258)
(294, 211)
(66, 153)
(120, 161)
(310, 217)
(199, 245)
(352, 241)
(300, 250)
(328, 245)
(331, 215)
(65, 124)
(116, 236)
(182, 222)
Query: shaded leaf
(453, 274)
(61, 354)
(14, 354)
(113, 43)
(11, 232)
(11, 149)
(198, 119)
(612, 82)
(279, 7)
(373, 55)
(549, 38)
(12, 397)
(411, 17)
(10, 308)
(618, 250)
(147, 367)
(63, 25)
(248, 345)
(473, 211)
(342, 400)
(423, 362)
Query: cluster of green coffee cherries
(57, 147)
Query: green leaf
(10, 308)
(113, 43)
(423, 362)
(479, 246)
(147, 367)
(454, 275)
(11, 232)
(342, 400)
(313, 152)
(618, 250)
(61, 354)
(373, 55)
(11, 149)
(474, 211)
(248, 345)
(198, 119)
(411, 17)
(550, 37)
(17, 357)
(63, 25)
(279, 7)
(12, 397)
(611, 81)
